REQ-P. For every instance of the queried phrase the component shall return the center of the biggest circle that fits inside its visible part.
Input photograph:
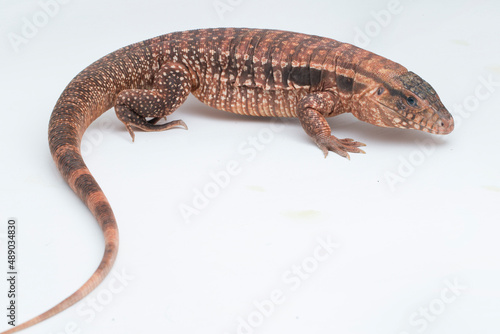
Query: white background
(415, 214)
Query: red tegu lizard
(244, 71)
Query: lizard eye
(380, 90)
(411, 101)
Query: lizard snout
(444, 126)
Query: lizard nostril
(440, 123)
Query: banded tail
(91, 93)
(86, 97)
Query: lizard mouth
(427, 121)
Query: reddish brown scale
(244, 71)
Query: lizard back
(259, 72)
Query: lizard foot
(339, 146)
(151, 127)
(132, 119)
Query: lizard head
(402, 99)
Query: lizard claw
(339, 146)
(131, 131)
(146, 126)
(141, 123)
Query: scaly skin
(244, 71)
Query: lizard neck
(360, 74)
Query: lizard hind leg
(171, 87)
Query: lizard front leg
(171, 87)
(311, 112)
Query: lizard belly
(252, 101)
